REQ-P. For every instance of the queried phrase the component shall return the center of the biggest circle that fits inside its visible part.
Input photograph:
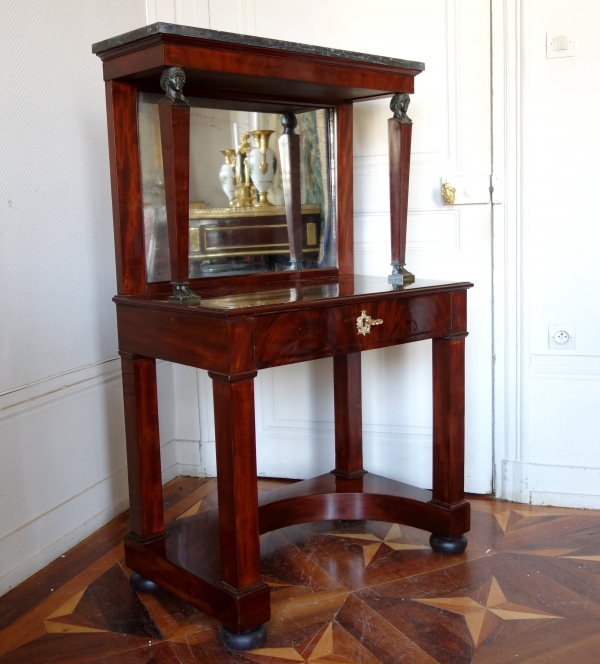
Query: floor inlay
(484, 614)
(527, 589)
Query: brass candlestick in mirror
(263, 165)
(245, 192)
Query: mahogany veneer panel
(367, 497)
(345, 189)
(184, 337)
(240, 69)
(175, 140)
(126, 186)
(292, 337)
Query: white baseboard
(181, 458)
(31, 547)
(63, 473)
(208, 459)
(566, 500)
(562, 486)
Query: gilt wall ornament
(399, 106)
(172, 82)
(448, 193)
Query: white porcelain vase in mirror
(263, 165)
(227, 175)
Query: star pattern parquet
(527, 589)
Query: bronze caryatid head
(399, 105)
(172, 82)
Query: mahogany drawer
(321, 332)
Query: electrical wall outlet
(561, 337)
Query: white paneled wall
(294, 404)
(62, 456)
(546, 239)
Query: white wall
(294, 404)
(547, 423)
(61, 428)
(62, 470)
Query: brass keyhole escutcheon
(364, 323)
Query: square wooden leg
(348, 415)
(238, 503)
(448, 420)
(236, 479)
(143, 446)
(449, 441)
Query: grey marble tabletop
(249, 40)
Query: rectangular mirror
(237, 214)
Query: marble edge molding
(248, 40)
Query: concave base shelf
(187, 561)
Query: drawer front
(313, 333)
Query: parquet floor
(527, 589)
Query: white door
(451, 137)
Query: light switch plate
(560, 43)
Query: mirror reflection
(237, 208)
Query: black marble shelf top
(249, 40)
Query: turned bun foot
(141, 584)
(449, 547)
(253, 638)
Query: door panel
(451, 136)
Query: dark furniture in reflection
(244, 323)
(257, 241)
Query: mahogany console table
(235, 325)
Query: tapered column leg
(399, 137)
(289, 151)
(174, 116)
(348, 415)
(449, 434)
(238, 493)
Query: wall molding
(510, 345)
(28, 546)
(554, 372)
(517, 372)
(83, 381)
(45, 386)
(562, 486)
(270, 425)
(444, 236)
(16, 546)
(448, 157)
(41, 537)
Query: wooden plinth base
(187, 561)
